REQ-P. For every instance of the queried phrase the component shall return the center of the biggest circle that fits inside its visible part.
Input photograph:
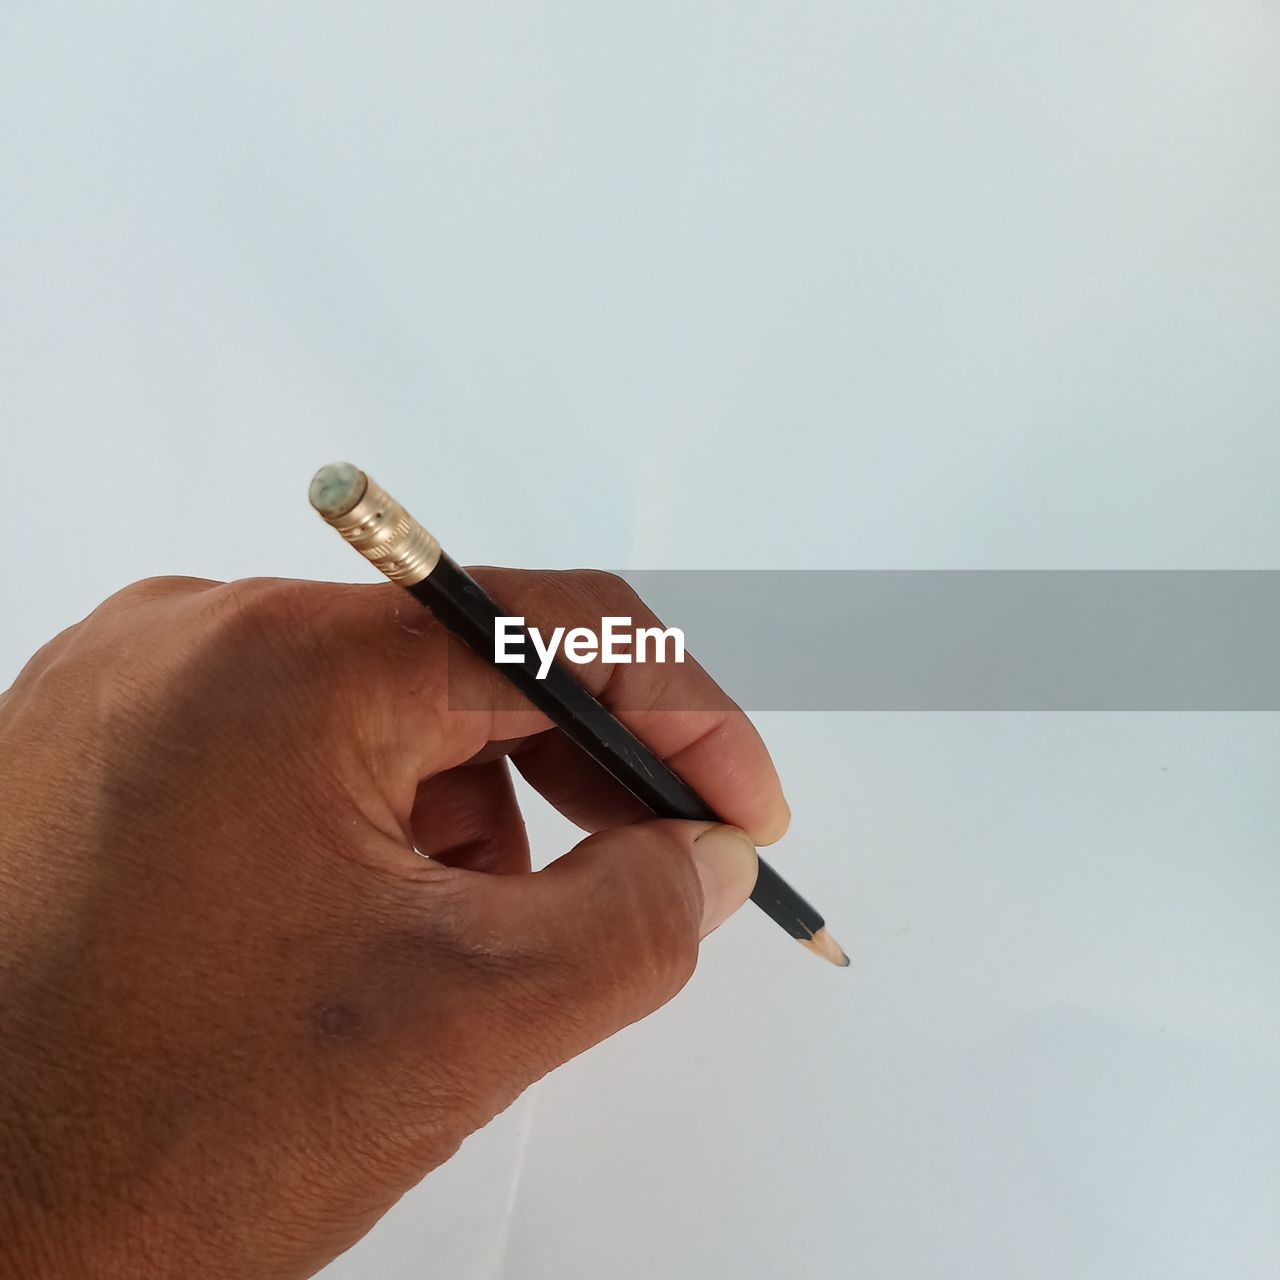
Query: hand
(239, 1014)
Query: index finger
(675, 708)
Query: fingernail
(726, 863)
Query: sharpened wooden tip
(824, 945)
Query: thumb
(609, 932)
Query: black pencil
(390, 539)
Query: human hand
(239, 1015)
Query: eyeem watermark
(923, 640)
(617, 642)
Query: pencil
(397, 545)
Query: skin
(240, 1013)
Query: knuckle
(608, 590)
(260, 627)
(107, 665)
(203, 669)
(266, 603)
(156, 588)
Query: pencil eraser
(337, 488)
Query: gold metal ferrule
(374, 523)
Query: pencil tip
(824, 945)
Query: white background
(909, 284)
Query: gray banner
(813, 640)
